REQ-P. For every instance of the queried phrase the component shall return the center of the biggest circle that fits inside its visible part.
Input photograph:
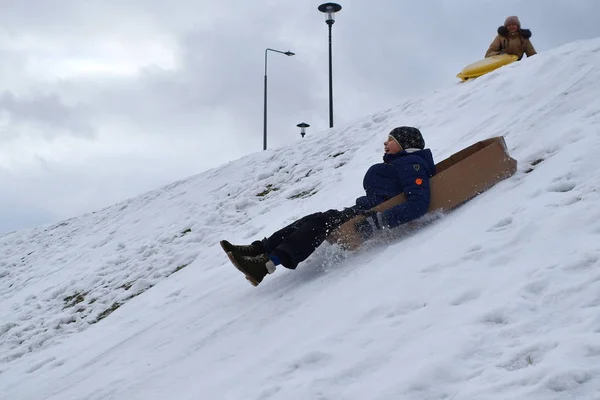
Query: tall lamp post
(330, 9)
(287, 53)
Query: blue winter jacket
(403, 172)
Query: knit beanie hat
(408, 137)
(513, 19)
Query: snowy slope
(497, 300)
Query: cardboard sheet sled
(458, 179)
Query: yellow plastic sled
(486, 65)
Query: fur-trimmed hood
(516, 43)
(525, 33)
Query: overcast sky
(101, 100)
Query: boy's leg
(256, 266)
(266, 245)
(306, 235)
(273, 241)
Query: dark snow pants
(294, 243)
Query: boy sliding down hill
(406, 168)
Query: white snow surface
(499, 299)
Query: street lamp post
(330, 9)
(287, 53)
(303, 126)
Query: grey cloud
(47, 111)
(383, 52)
(17, 212)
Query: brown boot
(255, 268)
(251, 250)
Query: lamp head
(330, 9)
(303, 126)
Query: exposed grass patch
(59, 225)
(537, 161)
(270, 188)
(25, 257)
(74, 299)
(186, 231)
(337, 154)
(179, 268)
(126, 285)
(533, 164)
(115, 306)
(529, 360)
(137, 294)
(71, 320)
(309, 173)
(304, 194)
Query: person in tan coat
(512, 39)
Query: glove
(373, 222)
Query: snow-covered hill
(497, 300)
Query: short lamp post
(330, 9)
(287, 53)
(303, 126)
